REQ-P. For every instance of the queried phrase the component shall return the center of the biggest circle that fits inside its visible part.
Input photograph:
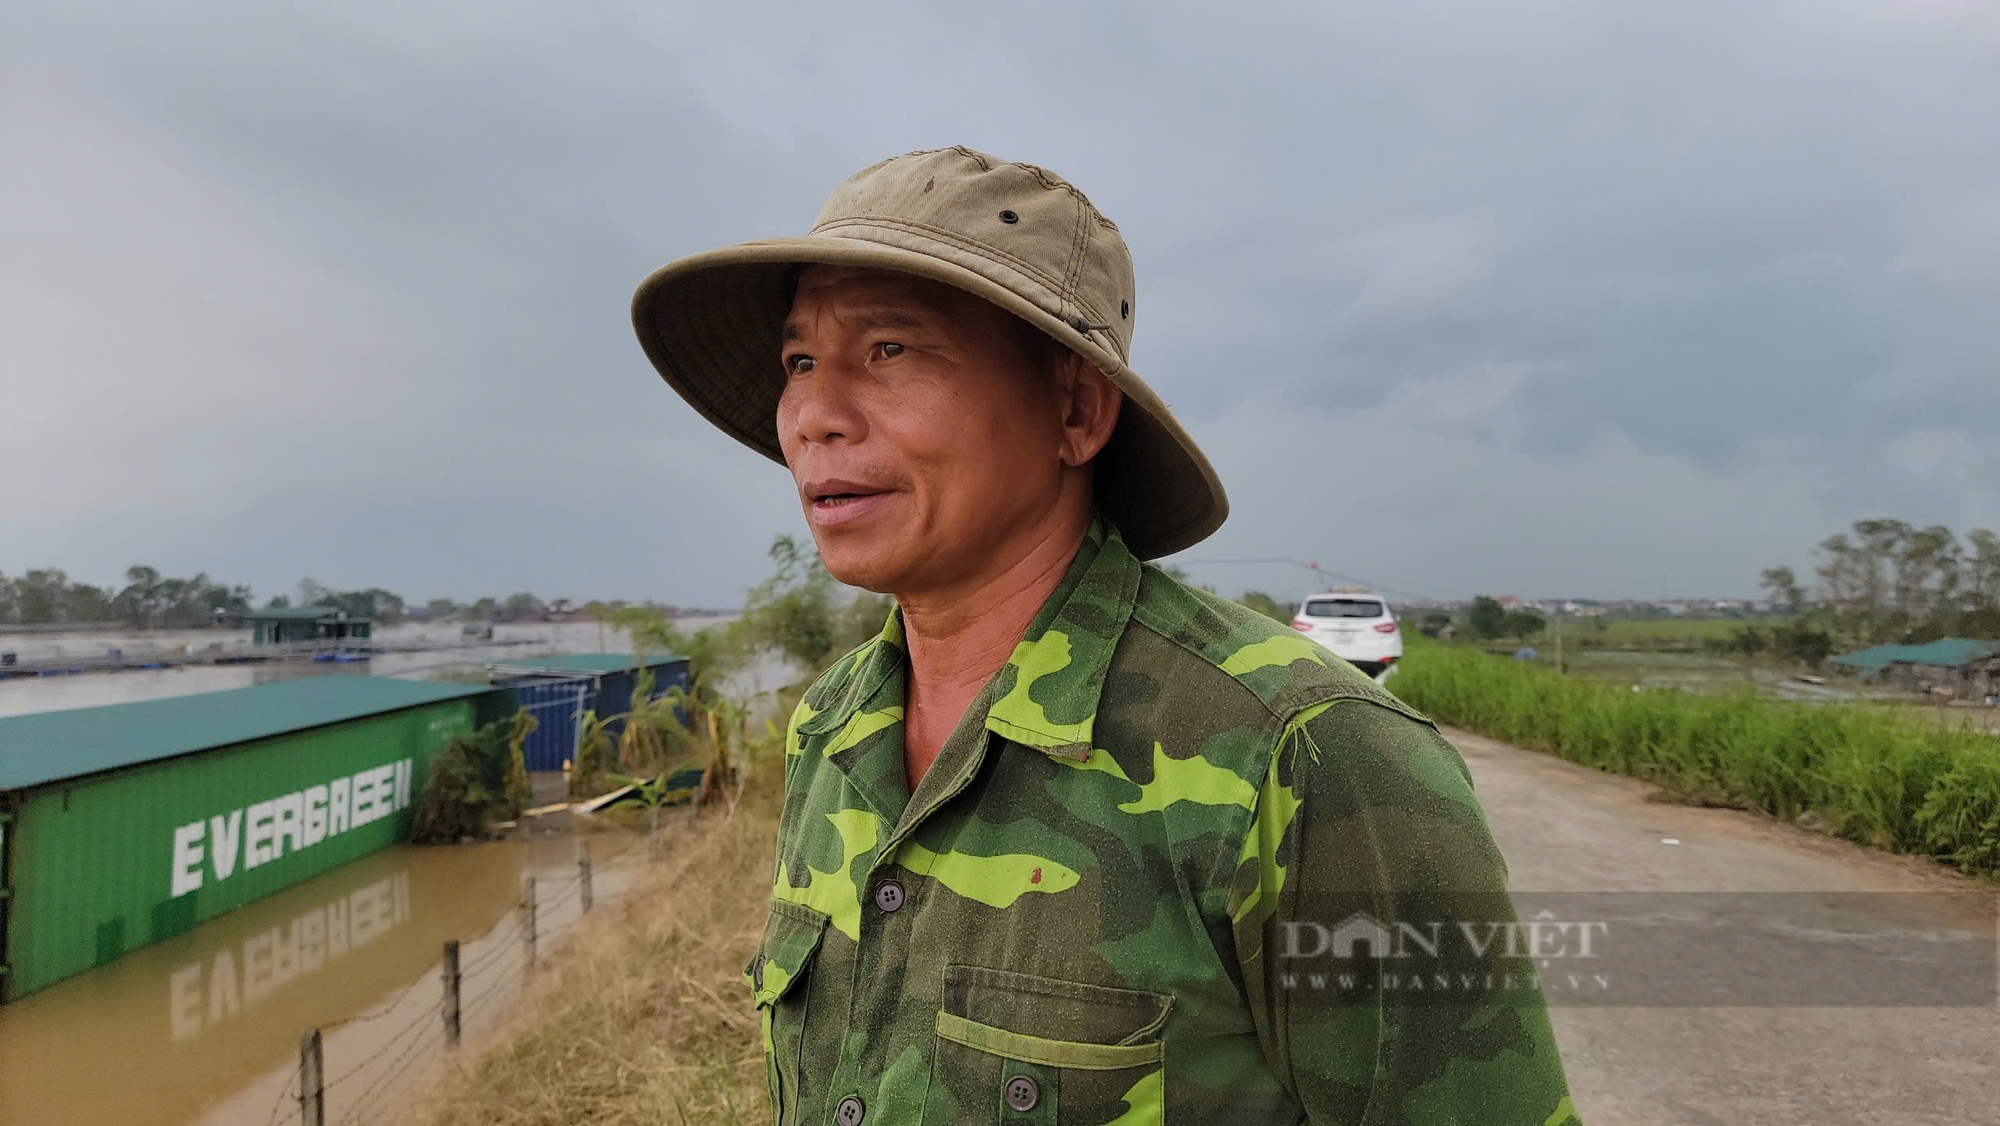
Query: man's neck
(957, 641)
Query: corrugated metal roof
(588, 663)
(293, 614)
(1873, 659)
(1949, 652)
(50, 746)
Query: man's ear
(1090, 404)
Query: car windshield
(1343, 608)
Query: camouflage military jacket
(1170, 867)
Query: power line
(1318, 570)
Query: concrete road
(1565, 828)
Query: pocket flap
(1052, 1009)
(1046, 1052)
(791, 936)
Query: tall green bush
(475, 780)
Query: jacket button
(848, 1111)
(757, 972)
(1022, 1093)
(889, 895)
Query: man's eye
(887, 349)
(798, 365)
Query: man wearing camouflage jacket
(1070, 841)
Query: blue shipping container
(557, 691)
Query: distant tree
(1487, 618)
(1783, 587)
(311, 593)
(1748, 641)
(1802, 642)
(374, 603)
(1434, 623)
(440, 608)
(278, 602)
(1522, 624)
(1890, 580)
(150, 600)
(1266, 605)
(519, 604)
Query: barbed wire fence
(302, 1098)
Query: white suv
(1356, 624)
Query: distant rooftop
(1949, 652)
(296, 614)
(592, 664)
(51, 746)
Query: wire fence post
(583, 872)
(312, 1080)
(451, 984)
(528, 918)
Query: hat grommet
(1009, 217)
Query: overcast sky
(1588, 299)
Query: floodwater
(205, 1027)
(22, 695)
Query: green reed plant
(1866, 772)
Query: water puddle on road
(206, 1027)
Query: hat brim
(710, 323)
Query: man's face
(923, 432)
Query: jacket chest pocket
(778, 980)
(1018, 1049)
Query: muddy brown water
(205, 1027)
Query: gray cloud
(1561, 298)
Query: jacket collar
(1050, 688)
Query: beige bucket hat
(1014, 234)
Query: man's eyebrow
(891, 319)
(886, 318)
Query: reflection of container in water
(201, 1015)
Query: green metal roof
(1949, 652)
(593, 664)
(294, 614)
(51, 746)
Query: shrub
(1871, 774)
(475, 780)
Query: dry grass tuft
(642, 1015)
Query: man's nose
(821, 406)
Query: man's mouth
(835, 500)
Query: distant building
(286, 624)
(1956, 667)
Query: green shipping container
(124, 825)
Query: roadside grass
(1869, 774)
(641, 1016)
